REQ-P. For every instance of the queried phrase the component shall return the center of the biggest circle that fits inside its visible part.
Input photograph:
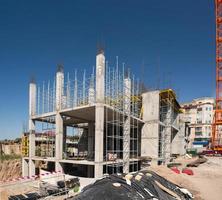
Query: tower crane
(216, 140)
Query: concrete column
(59, 137)
(59, 121)
(91, 96)
(151, 128)
(32, 99)
(99, 118)
(99, 134)
(32, 112)
(25, 167)
(31, 167)
(58, 166)
(126, 126)
(100, 77)
(59, 87)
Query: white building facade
(199, 114)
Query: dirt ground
(10, 169)
(205, 184)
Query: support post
(126, 126)
(25, 167)
(59, 120)
(31, 167)
(99, 118)
(32, 112)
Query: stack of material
(28, 196)
(47, 189)
(197, 162)
(142, 185)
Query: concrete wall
(149, 140)
(9, 149)
(150, 130)
(150, 101)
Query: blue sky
(173, 40)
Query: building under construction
(163, 132)
(98, 124)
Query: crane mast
(217, 122)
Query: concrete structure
(112, 123)
(10, 148)
(105, 107)
(199, 115)
(162, 135)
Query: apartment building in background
(198, 114)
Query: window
(206, 108)
(199, 120)
(198, 131)
(199, 109)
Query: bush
(9, 157)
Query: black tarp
(142, 185)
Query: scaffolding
(77, 91)
(122, 111)
(25, 144)
(169, 109)
(45, 138)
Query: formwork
(169, 109)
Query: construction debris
(197, 162)
(46, 189)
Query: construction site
(102, 134)
(99, 124)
